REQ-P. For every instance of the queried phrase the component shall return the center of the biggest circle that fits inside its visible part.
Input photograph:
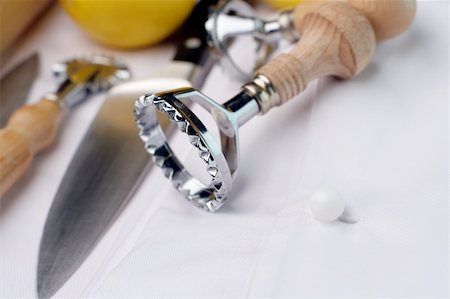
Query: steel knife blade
(111, 162)
(15, 86)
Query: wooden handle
(29, 130)
(389, 18)
(336, 40)
(16, 17)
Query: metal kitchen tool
(236, 19)
(110, 162)
(32, 128)
(337, 40)
(15, 86)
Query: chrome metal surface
(222, 157)
(101, 178)
(261, 89)
(80, 77)
(243, 107)
(287, 26)
(15, 86)
(236, 18)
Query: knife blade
(111, 162)
(15, 86)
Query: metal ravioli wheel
(210, 196)
(233, 20)
(106, 71)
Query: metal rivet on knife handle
(32, 128)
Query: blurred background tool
(234, 21)
(129, 24)
(110, 163)
(33, 128)
(15, 86)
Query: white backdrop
(380, 140)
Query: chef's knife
(111, 162)
(15, 86)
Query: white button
(326, 204)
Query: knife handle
(29, 130)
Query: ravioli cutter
(337, 40)
(236, 19)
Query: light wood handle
(336, 40)
(29, 130)
(389, 18)
(16, 16)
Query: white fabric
(380, 140)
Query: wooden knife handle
(336, 40)
(30, 129)
(389, 18)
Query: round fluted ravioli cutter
(337, 40)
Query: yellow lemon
(129, 23)
(280, 4)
